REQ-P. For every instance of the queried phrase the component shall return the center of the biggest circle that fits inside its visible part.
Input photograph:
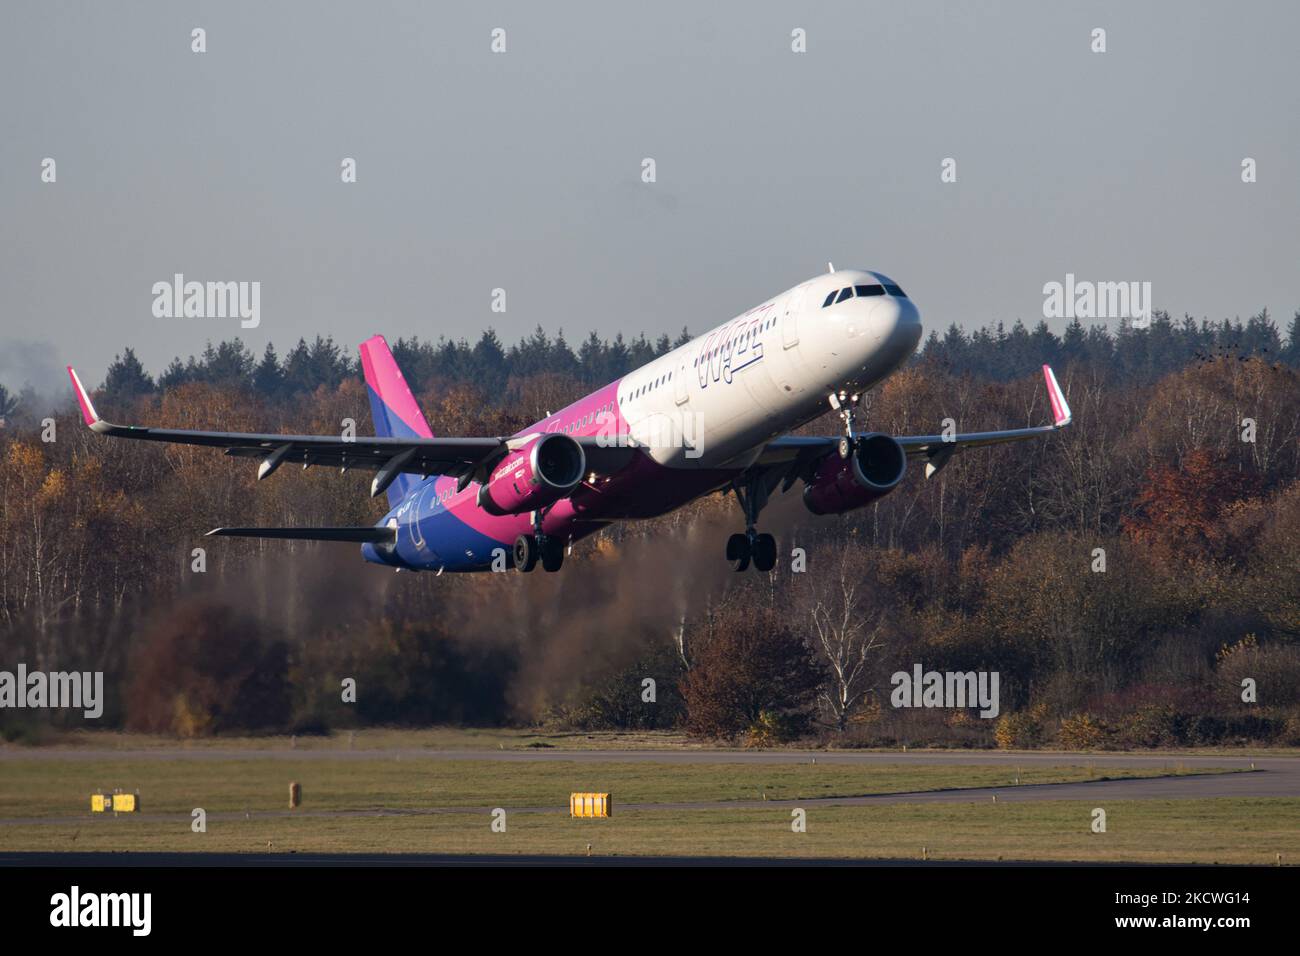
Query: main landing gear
(751, 547)
(531, 548)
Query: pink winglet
(1060, 410)
(83, 399)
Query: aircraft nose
(909, 322)
(898, 324)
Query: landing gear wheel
(526, 552)
(845, 448)
(738, 551)
(552, 554)
(764, 552)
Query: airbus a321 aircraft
(709, 416)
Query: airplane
(713, 415)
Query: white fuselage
(700, 415)
(715, 401)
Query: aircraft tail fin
(392, 406)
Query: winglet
(1060, 410)
(87, 409)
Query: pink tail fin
(392, 405)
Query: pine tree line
(1130, 355)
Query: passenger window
(845, 294)
(865, 290)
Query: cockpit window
(864, 291)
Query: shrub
(1205, 729)
(1082, 732)
(206, 668)
(1274, 669)
(1019, 730)
(616, 702)
(1290, 734)
(748, 668)
(1153, 725)
(770, 729)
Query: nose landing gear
(845, 404)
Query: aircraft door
(788, 366)
(790, 320)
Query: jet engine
(873, 469)
(533, 476)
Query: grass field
(1180, 831)
(440, 805)
(228, 788)
(57, 788)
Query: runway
(1288, 765)
(151, 859)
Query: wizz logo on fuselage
(733, 347)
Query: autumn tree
(1178, 510)
(845, 630)
(752, 668)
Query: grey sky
(522, 170)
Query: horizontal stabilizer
(371, 534)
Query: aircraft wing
(356, 535)
(800, 450)
(465, 458)
(388, 456)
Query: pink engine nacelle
(538, 474)
(872, 471)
